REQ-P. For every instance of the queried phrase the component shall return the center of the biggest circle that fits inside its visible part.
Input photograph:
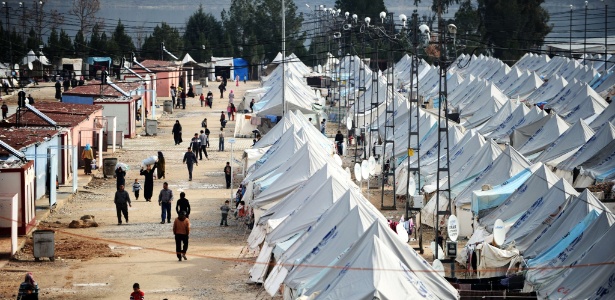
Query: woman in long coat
(148, 186)
(161, 165)
(177, 132)
(120, 176)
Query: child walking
(137, 294)
(136, 187)
(224, 209)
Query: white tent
(604, 136)
(549, 89)
(598, 168)
(586, 104)
(502, 133)
(490, 122)
(385, 267)
(538, 135)
(574, 213)
(566, 144)
(282, 150)
(607, 115)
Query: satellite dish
(402, 234)
(411, 185)
(438, 267)
(337, 159)
(499, 232)
(440, 251)
(349, 123)
(348, 172)
(357, 171)
(365, 169)
(372, 165)
(453, 228)
(16, 67)
(30, 66)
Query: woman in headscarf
(233, 111)
(148, 186)
(160, 164)
(120, 175)
(231, 97)
(177, 132)
(87, 155)
(28, 289)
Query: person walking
(5, 110)
(148, 186)
(58, 87)
(227, 174)
(203, 138)
(178, 103)
(202, 99)
(231, 97)
(190, 160)
(207, 132)
(161, 166)
(252, 105)
(224, 209)
(181, 230)
(120, 177)
(165, 198)
(137, 293)
(339, 142)
(221, 140)
(183, 96)
(222, 119)
(210, 99)
(87, 155)
(136, 187)
(195, 144)
(228, 111)
(204, 123)
(173, 93)
(233, 111)
(222, 88)
(177, 133)
(122, 202)
(245, 78)
(183, 205)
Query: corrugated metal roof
(64, 114)
(158, 65)
(93, 89)
(22, 137)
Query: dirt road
(103, 262)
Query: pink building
(166, 73)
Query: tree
(65, 45)
(526, 26)
(120, 43)
(53, 42)
(32, 43)
(85, 11)
(268, 17)
(239, 23)
(80, 45)
(96, 47)
(203, 30)
(162, 34)
(363, 8)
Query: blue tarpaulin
(92, 60)
(240, 68)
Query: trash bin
(151, 127)
(109, 166)
(44, 244)
(168, 106)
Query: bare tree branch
(85, 11)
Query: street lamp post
(585, 36)
(8, 29)
(570, 31)
(605, 35)
(39, 21)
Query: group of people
(178, 96)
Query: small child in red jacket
(137, 294)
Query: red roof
(23, 137)
(158, 65)
(93, 89)
(64, 114)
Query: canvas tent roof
(601, 138)
(535, 137)
(547, 90)
(566, 144)
(607, 115)
(371, 259)
(508, 163)
(574, 213)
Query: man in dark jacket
(195, 143)
(183, 204)
(190, 160)
(227, 174)
(122, 201)
(339, 142)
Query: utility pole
(585, 37)
(39, 21)
(389, 120)
(23, 21)
(570, 31)
(283, 57)
(8, 30)
(605, 35)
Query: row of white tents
(323, 238)
(532, 184)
